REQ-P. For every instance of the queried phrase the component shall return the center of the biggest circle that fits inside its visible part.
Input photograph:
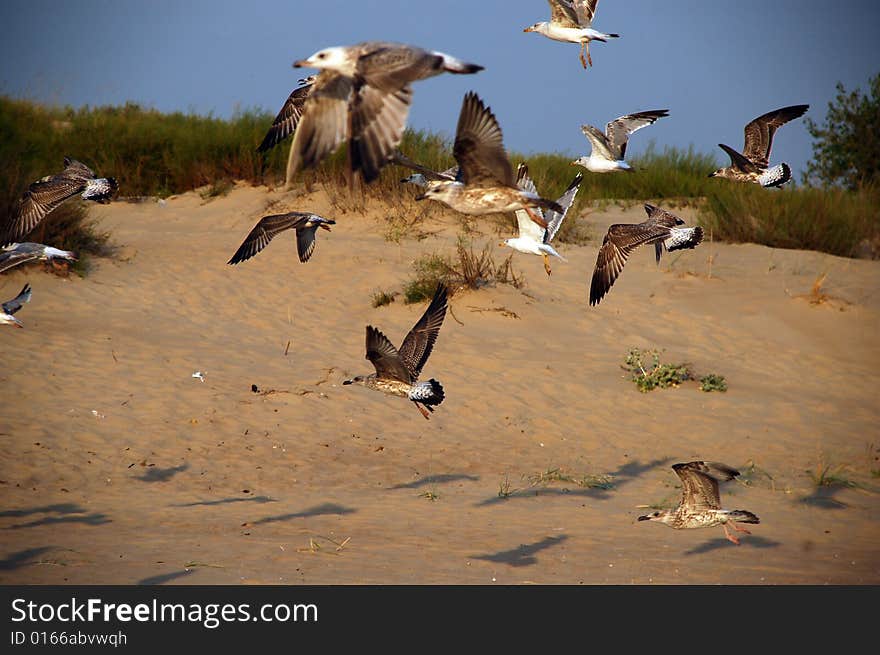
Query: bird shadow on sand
(752, 541)
(165, 577)
(60, 508)
(22, 558)
(317, 510)
(823, 498)
(69, 513)
(225, 501)
(442, 478)
(161, 475)
(524, 554)
(602, 491)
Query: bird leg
(428, 416)
(546, 262)
(730, 537)
(583, 61)
(585, 47)
(540, 221)
(739, 529)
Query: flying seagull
(571, 21)
(12, 306)
(286, 121)
(47, 193)
(19, 253)
(700, 504)
(533, 239)
(423, 174)
(609, 149)
(622, 238)
(397, 371)
(362, 96)
(305, 224)
(485, 182)
(753, 164)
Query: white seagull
(608, 152)
(8, 308)
(533, 239)
(19, 253)
(571, 22)
(362, 96)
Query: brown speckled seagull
(485, 182)
(753, 164)
(362, 96)
(397, 371)
(622, 238)
(47, 193)
(700, 505)
(304, 223)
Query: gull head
(661, 515)
(537, 27)
(439, 190)
(357, 379)
(721, 172)
(304, 81)
(581, 161)
(335, 59)
(321, 222)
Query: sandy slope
(117, 466)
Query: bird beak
(301, 63)
(326, 226)
(346, 382)
(528, 29)
(501, 244)
(17, 323)
(644, 518)
(711, 174)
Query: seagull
(609, 149)
(622, 238)
(571, 21)
(19, 253)
(533, 239)
(397, 371)
(305, 224)
(362, 96)
(286, 121)
(700, 504)
(753, 164)
(485, 182)
(47, 193)
(12, 306)
(423, 174)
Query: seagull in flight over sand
(622, 238)
(571, 21)
(362, 96)
(609, 149)
(47, 193)
(532, 238)
(397, 371)
(700, 504)
(287, 119)
(304, 223)
(485, 182)
(753, 164)
(8, 308)
(19, 253)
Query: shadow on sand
(524, 554)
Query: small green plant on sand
(713, 382)
(649, 373)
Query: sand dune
(119, 467)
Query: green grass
(648, 373)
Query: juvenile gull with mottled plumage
(305, 224)
(753, 165)
(362, 96)
(700, 504)
(397, 371)
(288, 117)
(485, 182)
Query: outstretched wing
(400, 159)
(599, 142)
(563, 13)
(585, 10)
(700, 483)
(41, 198)
(620, 128)
(378, 118)
(479, 146)
(265, 230)
(288, 118)
(527, 227)
(619, 242)
(417, 346)
(385, 358)
(759, 132)
(554, 219)
(18, 254)
(12, 306)
(739, 161)
(324, 122)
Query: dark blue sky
(715, 65)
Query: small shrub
(713, 382)
(650, 376)
(382, 298)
